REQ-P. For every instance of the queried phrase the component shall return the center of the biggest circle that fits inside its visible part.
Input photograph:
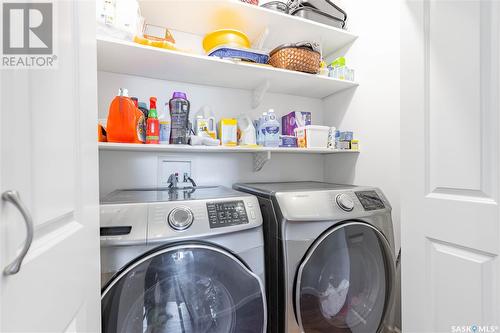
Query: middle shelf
(214, 149)
(261, 155)
(124, 57)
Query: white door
(49, 156)
(450, 165)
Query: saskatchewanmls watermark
(474, 329)
(28, 35)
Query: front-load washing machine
(182, 260)
(330, 256)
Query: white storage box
(312, 136)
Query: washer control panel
(226, 213)
(370, 200)
(345, 202)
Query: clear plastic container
(312, 136)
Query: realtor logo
(27, 38)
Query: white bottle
(260, 129)
(272, 130)
(247, 130)
(165, 125)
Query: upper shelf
(125, 57)
(200, 17)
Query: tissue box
(294, 120)
(288, 141)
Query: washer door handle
(14, 198)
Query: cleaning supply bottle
(126, 123)
(272, 130)
(165, 125)
(247, 135)
(261, 134)
(205, 123)
(143, 106)
(179, 114)
(153, 128)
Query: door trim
(389, 257)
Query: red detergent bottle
(153, 125)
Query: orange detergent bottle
(126, 122)
(153, 126)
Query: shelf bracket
(260, 159)
(259, 92)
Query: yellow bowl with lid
(228, 37)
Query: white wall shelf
(261, 154)
(125, 57)
(201, 17)
(214, 149)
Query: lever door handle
(14, 198)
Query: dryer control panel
(370, 200)
(226, 213)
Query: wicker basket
(295, 59)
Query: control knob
(180, 218)
(345, 202)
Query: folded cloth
(203, 141)
(333, 299)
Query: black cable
(192, 181)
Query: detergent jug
(125, 121)
(246, 129)
(179, 115)
(205, 123)
(272, 130)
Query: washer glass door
(185, 288)
(345, 280)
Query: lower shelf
(215, 149)
(261, 155)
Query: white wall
(133, 169)
(372, 110)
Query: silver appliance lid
(153, 195)
(270, 189)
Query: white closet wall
(372, 109)
(119, 169)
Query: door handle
(14, 198)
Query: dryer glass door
(185, 288)
(344, 282)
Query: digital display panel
(228, 213)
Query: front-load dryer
(330, 256)
(183, 260)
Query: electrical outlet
(168, 166)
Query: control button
(252, 214)
(180, 218)
(345, 202)
(249, 204)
